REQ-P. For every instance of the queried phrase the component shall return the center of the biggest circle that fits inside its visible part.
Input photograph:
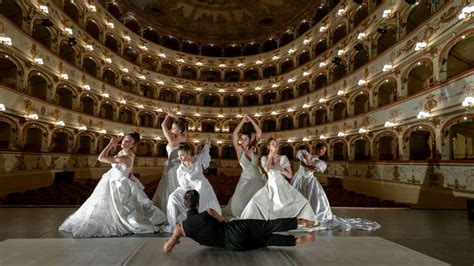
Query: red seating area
(76, 193)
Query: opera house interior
(386, 86)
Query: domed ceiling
(230, 20)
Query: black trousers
(248, 234)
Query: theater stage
(408, 237)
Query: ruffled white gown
(306, 183)
(169, 181)
(118, 206)
(192, 177)
(277, 198)
(251, 180)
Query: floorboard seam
(127, 260)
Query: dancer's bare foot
(306, 223)
(306, 238)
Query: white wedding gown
(169, 181)
(277, 198)
(118, 206)
(306, 183)
(192, 177)
(251, 180)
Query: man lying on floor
(209, 228)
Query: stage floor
(408, 237)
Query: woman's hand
(115, 141)
(171, 111)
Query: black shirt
(204, 229)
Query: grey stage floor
(408, 237)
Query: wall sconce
(322, 137)
(64, 76)
(322, 29)
(322, 100)
(423, 115)
(340, 134)
(38, 61)
(389, 124)
(387, 67)
(361, 82)
(44, 9)
(82, 128)
(2, 107)
(86, 87)
(322, 64)
(420, 46)
(110, 25)
(60, 123)
(387, 13)
(6, 40)
(468, 102)
(89, 47)
(361, 36)
(362, 130)
(103, 131)
(340, 93)
(466, 12)
(33, 116)
(92, 8)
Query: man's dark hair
(191, 199)
(184, 147)
(182, 124)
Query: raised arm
(258, 132)
(178, 232)
(165, 129)
(235, 137)
(215, 215)
(204, 157)
(106, 158)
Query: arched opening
(462, 140)
(320, 81)
(419, 13)
(64, 97)
(93, 29)
(210, 75)
(6, 135)
(147, 91)
(251, 74)
(287, 94)
(270, 44)
(339, 34)
(461, 57)
(151, 35)
(320, 47)
(361, 150)
(286, 38)
(130, 54)
(320, 116)
(287, 150)
(210, 100)
(170, 42)
(232, 125)
(42, 35)
(11, 10)
(419, 78)
(89, 66)
(269, 125)
(102, 143)
(303, 120)
(128, 84)
(8, 73)
(303, 88)
(232, 76)
(252, 48)
(145, 149)
(340, 111)
(67, 53)
(250, 100)
(304, 27)
(213, 151)
(321, 12)
(169, 69)
(339, 151)
(211, 50)
(386, 40)
(361, 13)
(287, 66)
(189, 73)
(132, 24)
(149, 63)
(87, 105)
(303, 58)
(361, 104)
(167, 95)
(107, 111)
(33, 140)
(228, 152)
(187, 98)
(112, 43)
(162, 150)
(387, 93)
(190, 48)
(85, 145)
(60, 142)
(420, 145)
(109, 77)
(71, 10)
(339, 72)
(269, 97)
(387, 148)
(361, 58)
(145, 119)
(38, 86)
(126, 116)
(269, 71)
(208, 126)
(286, 123)
(231, 101)
(232, 51)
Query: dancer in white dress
(251, 180)
(306, 183)
(118, 205)
(169, 182)
(190, 176)
(277, 199)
